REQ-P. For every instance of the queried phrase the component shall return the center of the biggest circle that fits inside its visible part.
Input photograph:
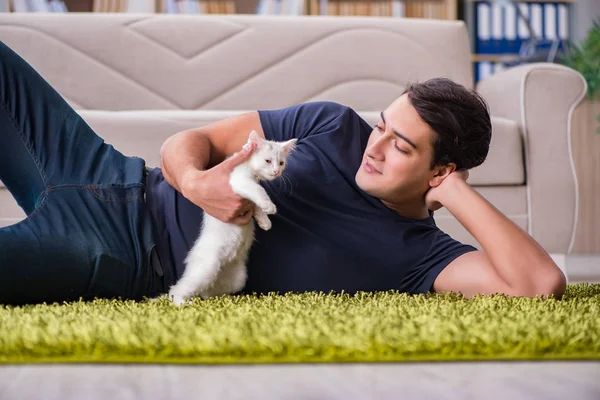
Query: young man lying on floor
(353, 210)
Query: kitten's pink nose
(276, 172)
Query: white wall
(584, 12)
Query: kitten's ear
(255, 138)
(289, 146)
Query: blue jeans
(88, 231)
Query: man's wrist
(451, 191)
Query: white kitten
(216, 264)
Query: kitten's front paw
(264, 223)
(178, 300)
(269, 208)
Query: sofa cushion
(505, 164)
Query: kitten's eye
(281, 163)
(268, 161)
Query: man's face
(395, 165)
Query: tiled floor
(465, 380)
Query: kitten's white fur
(216, 264)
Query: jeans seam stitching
(93, 190)
(26, 143)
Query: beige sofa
(138, 79)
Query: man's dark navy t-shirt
(328, 234)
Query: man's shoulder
(322, 109)
(309, 119)
(332, 113)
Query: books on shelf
(33, 6)
(503, 32)
(438, 9)
(499, 30)
(197, 6)
(110, 6)
(483, 69)
(281, 7)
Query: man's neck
(414, 210)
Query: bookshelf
(428, 9)
(499, 36)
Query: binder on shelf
(563, 21)
(522, 30)
(483, 27)
(549, 20)
(483, 70)
(536, 19)
(497, 44)
(499, 30)
(511, 43)
(58, 6)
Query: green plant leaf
(585, 58)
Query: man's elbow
(552, 282)
(164, 146)
(547, 281)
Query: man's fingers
(240, 156)
(243, 220)
(247, 205)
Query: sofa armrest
(541, 97)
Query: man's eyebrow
(401, 136)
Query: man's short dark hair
(459, 117)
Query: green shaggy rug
(311, 327)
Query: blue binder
(499, 30)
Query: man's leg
(86, 232)
(44, 142)
(80, 242)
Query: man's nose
(374, 150)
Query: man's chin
(363, 184)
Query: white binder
(550, 31)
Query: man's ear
(440, 173)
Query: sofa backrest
(234, 62)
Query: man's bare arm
(511, 262)
(182, 153)
(205, 147)
(192, 161)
